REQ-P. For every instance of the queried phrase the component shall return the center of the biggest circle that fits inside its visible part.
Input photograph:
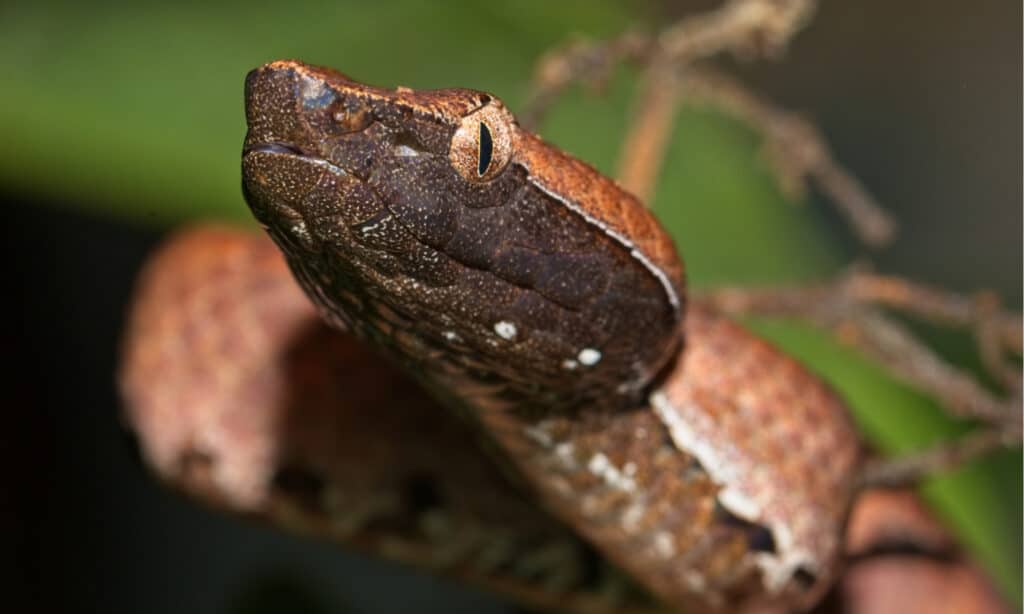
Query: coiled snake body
(544, 306)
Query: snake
(489, 364)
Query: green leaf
(135, 110)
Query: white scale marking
(506, 330)
(589, 357)
(600, 466)
(632, 516)
(778, 568)
(539, 435)
(695, 581)
(664, 545)
(565, 452)
(404, 151)
(603, 468)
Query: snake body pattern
(543, 306)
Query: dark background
(921, 100)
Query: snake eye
(482, 145)
(486, 149)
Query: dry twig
(913, 468)
(743, 27)
(796, 151)
(851, 309)
(643, 148)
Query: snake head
(432, 225)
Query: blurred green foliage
(135, 110)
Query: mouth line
(281, 148)
(275, 147)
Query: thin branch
(643, 150)
(795, 149)
(744, 27)
(849, 308)
(912, 361)
(747, 28)
(588, 62)
(990, 336)
(915, 468)
(937, 305)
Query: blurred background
(123, 120)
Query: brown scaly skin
(491, 278)
(242, 398)
(540, 301)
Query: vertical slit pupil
(485, 150)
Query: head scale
(423, 222)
